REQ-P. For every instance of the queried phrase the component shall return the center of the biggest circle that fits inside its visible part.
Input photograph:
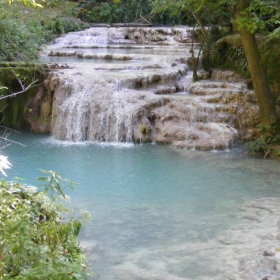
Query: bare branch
(19, 80)
(19, 92)
(11, 141)
(5, 138)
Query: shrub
(64, 25)
(267, 144)
(24, 30)
(35, 241)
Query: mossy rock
(145, 130)
(11, 76)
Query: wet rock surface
(38, 111)
(116, 90)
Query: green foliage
(254, 15)
(27, 3)
(64, 25)
(35, 241)
(259, 146)
(13, 37)
(23, 30)
(123, 11)
(109, 11)
(53, 185)
(267, 144)
(228, 53)
(54, 3)
(270, 52)
(209, 11)
(12, 113)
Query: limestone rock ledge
(213, 115)
(143, 93)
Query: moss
(270, 50)
(12, 109)
(45, 109)
(145, 130)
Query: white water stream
(129, 84)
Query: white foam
(55, 142)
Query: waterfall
(141, 92)
(93, 113)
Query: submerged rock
(251, 249)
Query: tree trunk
(268, 112)
(206, 39)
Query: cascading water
(139, 94)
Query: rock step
(221, 84)
(162, 82)
(200, 136)
(222, 75)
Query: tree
(204, 16)
(247, 25)
(247, 18)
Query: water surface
(154, 208)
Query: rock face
(144, 93)
(38, 111)
(24, 111)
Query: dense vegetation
(24, 29)
(108, 11)
(35, 240)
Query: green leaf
(42, 179)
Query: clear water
(126, 49)
(138, 50)
(74, 59)
(154, 208)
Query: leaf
(42, 179)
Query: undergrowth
(268, 144)
(23, 30)
(36, 242)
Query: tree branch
(24, 89)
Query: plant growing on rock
(145, 130)
(267, 144)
